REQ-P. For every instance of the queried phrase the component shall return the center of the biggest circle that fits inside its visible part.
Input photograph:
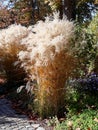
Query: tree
(27, 12)
(7, 15)
(80, 9)
(85, 9)
(30, 11)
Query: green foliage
(93, 30)
(78, 98)
(81, 121)
(84, 49)
(93, 26)
(82, 109)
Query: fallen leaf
(96, 120)
(78, 129)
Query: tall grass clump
(10, 46)
(49, 60)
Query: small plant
(53, 121)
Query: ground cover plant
(86, 120)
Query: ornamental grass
(48, 60)
(10, 46)
(51, 91)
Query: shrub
(85, 50)
(81, 104)
(10, 46)
(88, 85)
(48, 59)
(82, 94)
(93, 30)
(85, 41)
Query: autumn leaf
(89, 129)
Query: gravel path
(10, 120)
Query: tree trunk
(33, 13)
(60, 8)
(70, 9)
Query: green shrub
(85, 41)
(93, 30)
(85, 50)
(82, 94)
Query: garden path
(10, 120)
